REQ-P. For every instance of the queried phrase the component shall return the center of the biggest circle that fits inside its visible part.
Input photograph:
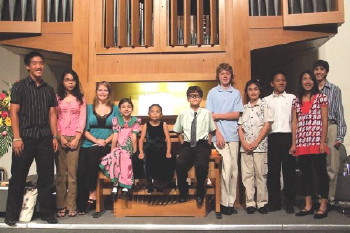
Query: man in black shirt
(34, 125)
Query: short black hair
(275, 73)
(29, 56)
(321, 63)
(194, 89)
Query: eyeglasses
(67, 80)
(194, 96)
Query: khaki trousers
(254, 174)
(66, 181)
(229, 173)
(332, 160)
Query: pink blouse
(71, 117)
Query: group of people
(270, 133)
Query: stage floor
(275, 221)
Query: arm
(53, 126)
(339, 114)
(141, 141)
(167, 139)
(292, 149)
(17, 145)
(99, 142)
(81, 125)
(246, 146)
(134, 142)
(324, 118)
(180, 137)
(226, 116)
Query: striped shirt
(335, 108)
(35, 102)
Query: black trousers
(42, 151)
(317, 163)
(279, 157)
(197, 156)
(88, 167)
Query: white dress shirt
(281, 105)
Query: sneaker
(50, 219)
(263, 210)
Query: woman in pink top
(71, 113)
(309, 133)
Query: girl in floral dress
(117, 165)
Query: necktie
(194, 130)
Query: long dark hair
(314, 89)
(77, 92)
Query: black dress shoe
(10, 221)
(233, 210)
(50, 219)
(251, 210)
(263, 210)
(290, 209)
(304, 212)
(323, 214)
(199, 200)
(225, 210)
(183, 199)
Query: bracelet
(17, 139)
(54, 137)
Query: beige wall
(337, 52)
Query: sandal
(72, 213)
(61, 213)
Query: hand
(168, 155)
(292, 149)
(322, 148)
(247, 147)
(254, 145)
(64, 142)
(74, 143)
(101, 142)
(337, 144)
(55, 144)
(141, 155)
(220, 141)
(18, 147)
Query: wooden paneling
(122, 24)
(265, 22)
(199, 23)
(148, 22)
(262, 38)
(109, 23)
(173, 22)
(81, 46)
(61, 43)
(187, 22)
(135, 23)
(213, 22)
(57, 28)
